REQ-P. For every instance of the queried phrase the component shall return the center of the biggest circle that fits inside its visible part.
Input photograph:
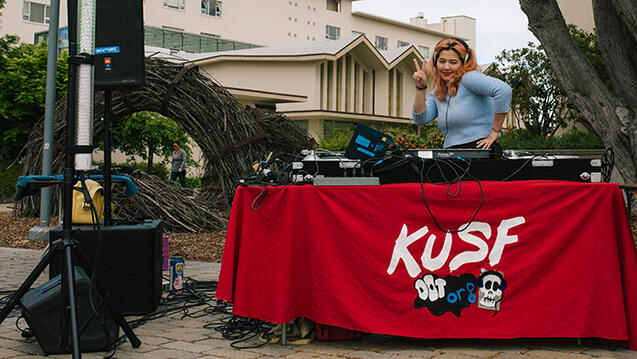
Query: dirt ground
(203, 247)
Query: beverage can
(176, 274)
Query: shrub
(409, 137)
(9, 179)
(336, 139)
(158, 169)
(193, 182)
(576, 139)
(521, 139)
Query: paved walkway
(173, 337)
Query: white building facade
(213, 25)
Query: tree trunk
(151, 151)
(611, 115)
(627, 10)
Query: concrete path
(6, 207)
(173, 337)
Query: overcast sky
(500, 24)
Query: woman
(470, 105)
(178, 169)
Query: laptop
(368, 143)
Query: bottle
(176, 274)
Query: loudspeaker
(129, 262)
(119, 44)
(41, 310)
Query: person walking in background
(178, 169)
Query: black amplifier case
(129, 263)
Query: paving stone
(409, 352)
(141, 349)
(469, 352)
(276, 350)
(31, 348)
(169, 354)
(322, 348)
(450, 356)
(606, 353)
(553, 354)
(182, 336)
(215, 343)
(158, 325)
(189, 347)
(308, 355)
(232, 353)
(363, 354)
(152, 340)
(9, 353)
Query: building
(313, 60)
(578, 12)
(346, 80)
(213, 25)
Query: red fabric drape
(367, 258)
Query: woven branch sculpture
(230, 137)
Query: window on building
(334, 5)
(381, 43)
(402, 44)
(173, 40)
(35, 12)
(332, 32)
(211, 8)
(174, 4)
(424, 51)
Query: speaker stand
(70, 249)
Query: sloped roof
(309, 51)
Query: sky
(500, 24)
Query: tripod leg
(26, 285)
(117, 315)
(70, 275)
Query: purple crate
(166, 252)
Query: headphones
(451, 46)
(497, 274)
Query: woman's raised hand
(420, 76)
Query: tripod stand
(68, 289)
(68, 305)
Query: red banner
(505, 260)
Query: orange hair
(441, 86)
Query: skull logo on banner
(491, 285)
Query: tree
(23, 90)
(538, 101)
(587, 43)
(611, 113)
(147, 134)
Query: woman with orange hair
(470, 106)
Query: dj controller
(437, 166)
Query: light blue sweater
(467, 116)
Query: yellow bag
(81, 209)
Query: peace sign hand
(420, 76)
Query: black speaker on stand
(119, 64)
(70, 325)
